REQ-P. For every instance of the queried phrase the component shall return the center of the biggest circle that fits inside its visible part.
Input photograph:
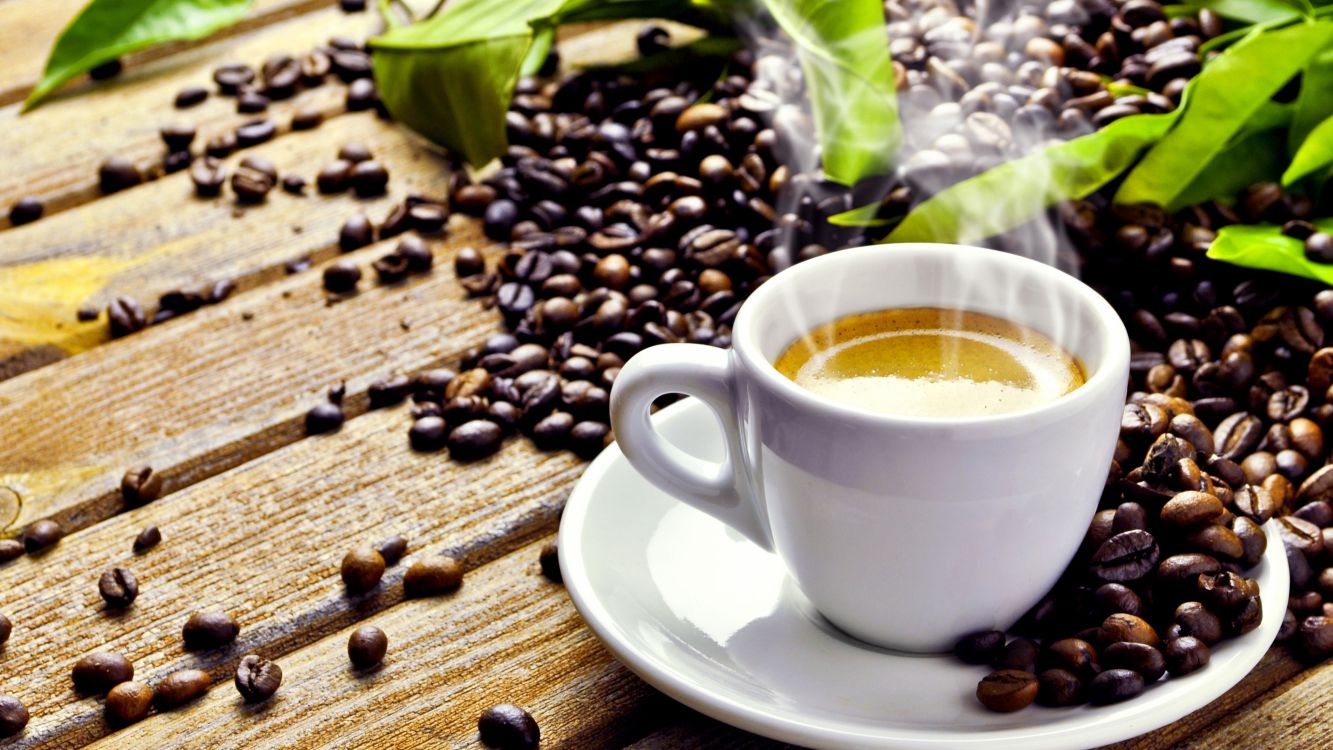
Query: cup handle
(704, 372)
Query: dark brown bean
(100, 671)
(366, 647)
(431, 576)
(1185, 655)
(362, 568)
(257, 679)
(1139, 657)
(118, 587)
(508, 727)
(181, 687)
(128, 702)
(140, 485)
(209, 629)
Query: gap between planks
(211, 390)
(264, 542)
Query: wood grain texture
(211, 390)
(264, 543)
(52, 153)
(1294, 714)
(449, 659)
(126, 244)
(30, 27)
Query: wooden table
(258, 515)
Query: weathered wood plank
(264, 542)
(507, 636)
(206, 392)
(694, 731)
(129, 243)
(53, 152)
(1294, 714)
(31, 26)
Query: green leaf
(1256, 154)
(1229, 91)
(1015, 192)
(1266, 248)
(1254, 11)
(450, 78)
(108, 29)
(844, 53)
(1314, 102)
(1314, 156)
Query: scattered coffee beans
(140, 485)
(128, 702)
(431, 576)
(210, 629)
(118, 587)
(508, 727)
(550, 564)
(257, 679)
(147, 539)
(100, 671)
(362, 568)
(323, 418)
(253, 179)
(181, 687)
(42, 534)
(367, 646)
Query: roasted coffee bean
(1315, 637)
(251, 102)
(549, 560)
(1129, 516)
(428, 433)
(190, 96)
(1147, 661)
(257, 679)
(293, 184)
(474, 439)
(392, 549)
(1319, 513)
(1127, 556)
(1216, 540)
(140, 485)
(1189, 508)
(253, 179)
(1288, 403)
(1319, 247)
(323, 418)
(362, 95)
(474, 382)
(508, 727)
(356, 232)
(1056, 687)
(1254, 502)
(1258, 466)
(13, 715)
(125, 317)
(342, 277)
(1008, 690)
(1237, 435)
(362, 568)
(369, 178)
(10, 549)
(118, 587)
(25, 211)
(1318, 486)
(1185, 654)
(41, 534)
(6, 628)
(366, 647)
(255, 132)
(431, 576)
(209, 629)
(180, 687)
(1142, 423)
(147, 539)
(390, 269)
(552, 431)
(232, 76)
(1113, 686)
(177, 137)
(1124, 627)
(118, 173)
(100, 671)
(1113, 598)
(1072, 655)
(207, 174)
(1195, 620)
(588, 438)
(1301, 535)
(128, 702)
(980, 648)
(334, 177)
(1020, 654)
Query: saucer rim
(768, 722)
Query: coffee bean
(1185, 654)
(323, 418)
(100, 671)
(118, 173)
(1195, 620)
(429, 433)
(1254, 502)
(1056, 687)
(13, 715)
(128, 702)
(207, 174)
(1189, 508)
(1070, 654)
(257, 679)
(232, 76)
(177, 137)
(652, 40)
(369, 178)
(293, 184)
(469, 262)
(1301, 535)
(42, 534)
(147, 539)
(366, 647)
(1146, 660)
(209, 629)
(118, 587)
(140, 485)
(1007, 690)
(1319, 247)
(588, 438)
(390, 269)
(253, 179)
(431, 576)
(10, 549)
(1113, 598)
(1127, 556)
(255, 132)
(251, 102)
(190, 96)
(1237, 435)
(508, 727)
(362, 95)
(362, 568)
(334, 177)
(25, 211)
(1123, 627)
(356, 232)
(6, 628)
(341, 277)
(549, 560)
(221, 146)
(474, 439)
(1113, 686)
(392, 549)
(1019, 654)
(181, 687)
(125, 317)
(307, 118)
(499, 218)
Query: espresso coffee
(931, 362)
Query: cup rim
(1114, 350)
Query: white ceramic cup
(904, 532)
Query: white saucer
(714, 622)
